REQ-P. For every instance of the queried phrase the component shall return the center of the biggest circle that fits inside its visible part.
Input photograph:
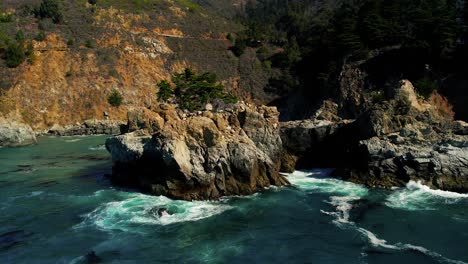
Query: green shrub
(49, 9)
(239, 47)
(70, 42)
(89, 44)
(165, 91)
(6, 17)
(92, 2)
(41, 36)
(267, 65)
(115, 99)
(191, 6)
(15, 54)
(230, 37)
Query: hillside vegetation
(427, 39)
(62, 59)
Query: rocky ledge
(408, 138)
(199, 156)
(88, 127)
(15, 134)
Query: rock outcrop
(15, 134)
(408, 139)
(199, 156)
(394, 141)
(88, 127)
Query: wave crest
(416, 196)
(136, 210)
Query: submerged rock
(199, 157)
(92, 258)
(15, 134)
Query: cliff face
(407, 138)
(199, 156)
(390, 143)
(121, 46)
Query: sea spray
(416, 196)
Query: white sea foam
(416, 196)
(381, 243)
(98, 147)
(136, 210)
(344, 193)
(73, 140)
(320, 181)
(343, 206)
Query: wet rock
(15, 134)
(406, 139)
(198, 158)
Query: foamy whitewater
(56, 207)
(415, 196)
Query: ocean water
(56, 206)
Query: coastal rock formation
(15, 134)
(307, 143)
(393, 161)
(88, 127)
(199, 156)
(408, 139)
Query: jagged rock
(88, 127)
(328, 111)
(15, 134)
(406, 139)
(443, 164)
(199, 158)
(143, 118)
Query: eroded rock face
(199, 156)
(15, 134)
(311, 143)
(406, 139)
(88, 127)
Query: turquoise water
(56, 206)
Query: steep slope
(116, 45)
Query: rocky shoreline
(242, 148)
(199, 156)
(17, 134)
(237, 151)
(88, 127)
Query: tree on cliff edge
(193, 91)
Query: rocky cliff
(402, 138)
(199, 156)
(241, 149)
(407, 138)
